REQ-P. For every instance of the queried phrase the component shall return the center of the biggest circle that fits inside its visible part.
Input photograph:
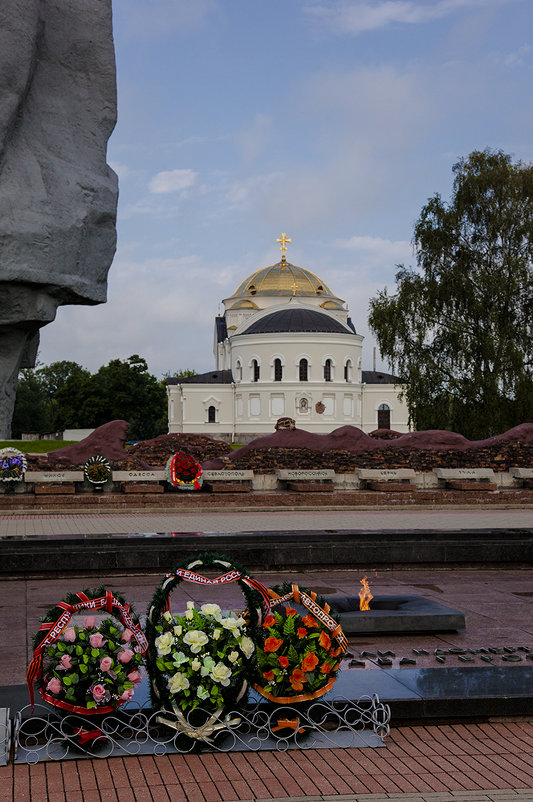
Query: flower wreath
(203, 659)
(97, 470)
(13, 465)
(300, 656)
(91, 664)
(184, 471)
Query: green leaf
(85, 659)
(95, 653)
(111, 645)
(60, 646)
(82, 636)
(82, 668)
(128, 684)
(67, 681)
(160, 663)
(79, 651)
(90, 705)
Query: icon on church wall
(320, 408)
(303, 406)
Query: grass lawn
(35, 446)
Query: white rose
(178, 682)
(195, 665)
(233, 656)
(195, 638)
(210, 609)
(247, 646)
(221, 673)
(230, 623)
(164, 643)
(178, 630)
(189, 615)
(167, 615)
(216, 634)
(190, 605)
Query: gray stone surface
(57, 194)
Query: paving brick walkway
(453, 762)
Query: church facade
(285, 346)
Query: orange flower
(309, 662)
(290, 611)
(268, 675)
(324, 640)
(301, 632)
(335, 652)
(283, 661)
(269, 621)
(309, 621)
(272, 644)
(297, 679)
(326, 668)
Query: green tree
(32, 411)
(458, 329)
(180, 374)
(123, 389)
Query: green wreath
(177, 659)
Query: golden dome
(283, 279)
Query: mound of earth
(157, 451)
(348, 448)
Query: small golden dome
(283, 279)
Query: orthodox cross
(283, 239)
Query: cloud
(377, 251)
(122, 170)
(344, 16)
(254, 139)
(517, 57)
(172, 181)
(146, 19)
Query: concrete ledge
(63, 489)
(311, 487)
(136, 487)
(391, 487)
(32, 556)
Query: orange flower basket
(301, 655)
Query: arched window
(211, 414)
(278, 370)
(238, 371)
(383, 416)
(256, 370)
(303, 372)
(348, 371)
(327, 370)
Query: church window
(348, 370)
(383, 416)
(238, 371)
(327, 370)
(303, 372)
(278, 370)
(256, 370)
(211, 414)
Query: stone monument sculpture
(58, 196)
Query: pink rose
(126, 696)
(96, 640)
(69, 634)
(66, 661)
(89, 621)
(125, 656)
(127, 635)
(54, 685)
(98, 692)
(106, 663)
(134, 676)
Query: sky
(330, 120)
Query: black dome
(297, 320)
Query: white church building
(285, 346)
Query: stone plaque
(464, 473)
(227, 476)
(138, 476)
(296, 475)
(522, 473)
(386, 474)
(53, 476)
